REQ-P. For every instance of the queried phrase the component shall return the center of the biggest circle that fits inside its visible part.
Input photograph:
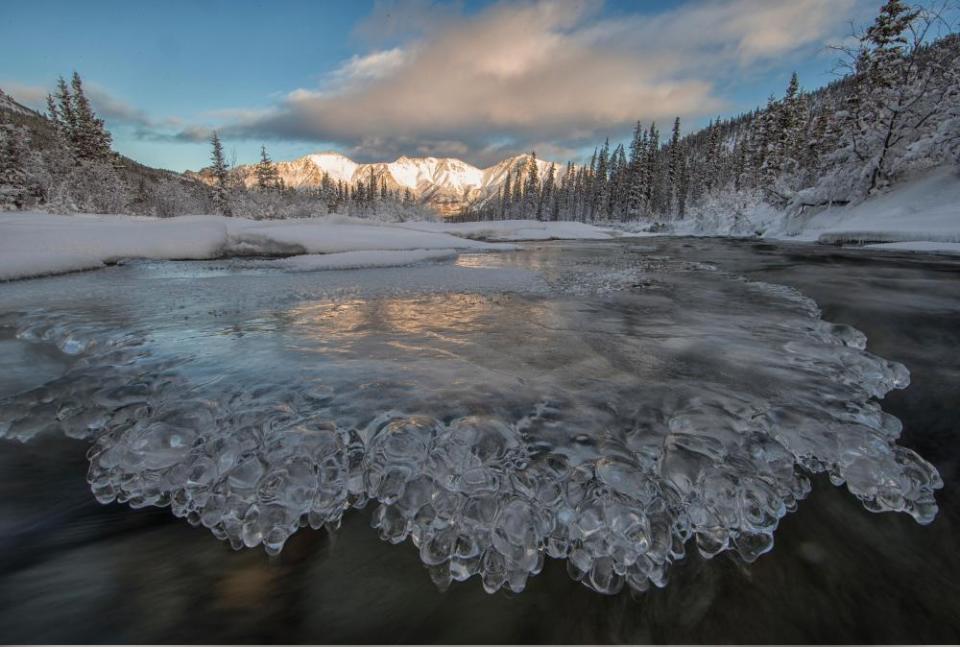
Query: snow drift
(39, 244)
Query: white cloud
(541, 71)
(376, 65)
(550, 74)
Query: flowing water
(641, 440)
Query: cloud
(29, 95)
(115, 111)
(371, 67)
(550, 75)
(185, 135)
(550, 71)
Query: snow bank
(38, 244)
(319, 236)
(924, 208)
(515, 230)
(930, 247)
(361, 259)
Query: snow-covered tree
(15, 189)
(531, 188)
(266, 171)
(900, 89)
(676, 161)
(91, 138)
(221, 175)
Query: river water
(651, 440)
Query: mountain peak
(446, 183)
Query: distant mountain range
(444, 183)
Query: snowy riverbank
(920, 214)
(40, 244)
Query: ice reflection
(645, 406)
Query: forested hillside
(896, 111)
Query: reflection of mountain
(445, 183)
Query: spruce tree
(64, 114)
(547, 201)
(673, 172)
(14, 183)
(220, 173)
(91, 138)
(505, 199)
(531, 189)
(516, 198)
(267, 175)
(636, 189)
(598, 198)
(652, 169)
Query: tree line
(896, 109)
(267, 197)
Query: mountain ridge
(445, 183)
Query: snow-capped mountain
(445, 183)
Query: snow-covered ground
(921, 214)
(516, 230)
(38, 244)
(919, 211)
(930, 247)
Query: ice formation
(620, 498)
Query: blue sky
(476, 80)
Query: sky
(380, 79)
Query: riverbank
(921, 213)
(39, 244)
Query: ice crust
(484, 495)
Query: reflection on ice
(681, 408)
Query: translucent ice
(611, 433)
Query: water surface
(551, 424)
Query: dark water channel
(630, 441)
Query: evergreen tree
(683, 186)
(221, 176)
(516, 198)
(267, 175)
(598, 199)
(676, 154)
(505, 199)
(652, 169)
(636, 183)
(91, 138)
(531, 189)
(14, 182)
(547, 198)
(60, 106)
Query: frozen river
(647, 440)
